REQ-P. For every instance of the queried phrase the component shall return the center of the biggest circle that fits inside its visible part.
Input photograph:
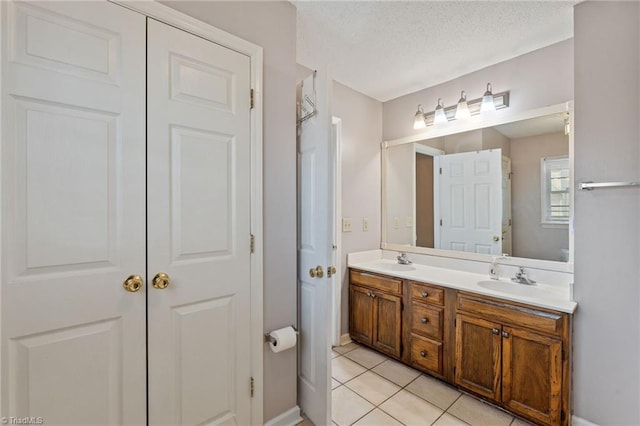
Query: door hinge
(253, 243)
(252, 386)
(440, 170)
(251, 102)
(440, 222)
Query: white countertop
(541, 295)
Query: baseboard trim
(290, 417)
(578, 421)
(345, 339)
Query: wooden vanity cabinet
(375, 311)
(515, 355)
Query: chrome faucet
(494, 269)
(403, 259)
(522, 278)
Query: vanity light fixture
(463, 109)
(419, 122)
(439, 115)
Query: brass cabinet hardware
(133, 283)
(161, 281)
(316, 272)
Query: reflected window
(555, 190)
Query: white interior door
(314, 253)
(507, 225)
(199, 169)
(73, 212)
(471, 201)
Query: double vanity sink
(538, 294)
(505, 342)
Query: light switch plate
(396, 223)
(347, 224)
(409, 221)
(365, 224)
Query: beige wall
(361, 136)
(530, 238)
(607, 221)
(271, 25)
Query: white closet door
(73, 212)
(198, 230)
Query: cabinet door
(361, 314)
(532, 375)
(387, 317)
(478, 355)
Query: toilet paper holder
(268, 338)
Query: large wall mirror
(496, 187)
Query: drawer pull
(505, 334)
(373, 295)
(495, 331)
(425, 294)
(423, 320)
(423, 354)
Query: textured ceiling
(386, 49)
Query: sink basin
(511, 287)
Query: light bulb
(418, 122)
(487, 100)
(462, 110)
(439, 116)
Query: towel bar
(588, 186)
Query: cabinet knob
(425, 294)
(423, 354)
(495, 331)
(368, 294)
(373, 295)
(505, 334)
(423, 320)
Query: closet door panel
(198, 230)
(73, 213)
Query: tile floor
(370, 389)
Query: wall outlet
(409, 221)
(396, 223)
(365, 224)
(347, 225)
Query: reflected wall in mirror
(494, 190)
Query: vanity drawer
(427, 293)
(391, 285)
(426, 320)
(426, 354)
(504, 312)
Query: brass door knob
(161, 281)
(133, 283)
(331, 270)
(316, 272)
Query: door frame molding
(177, 19)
